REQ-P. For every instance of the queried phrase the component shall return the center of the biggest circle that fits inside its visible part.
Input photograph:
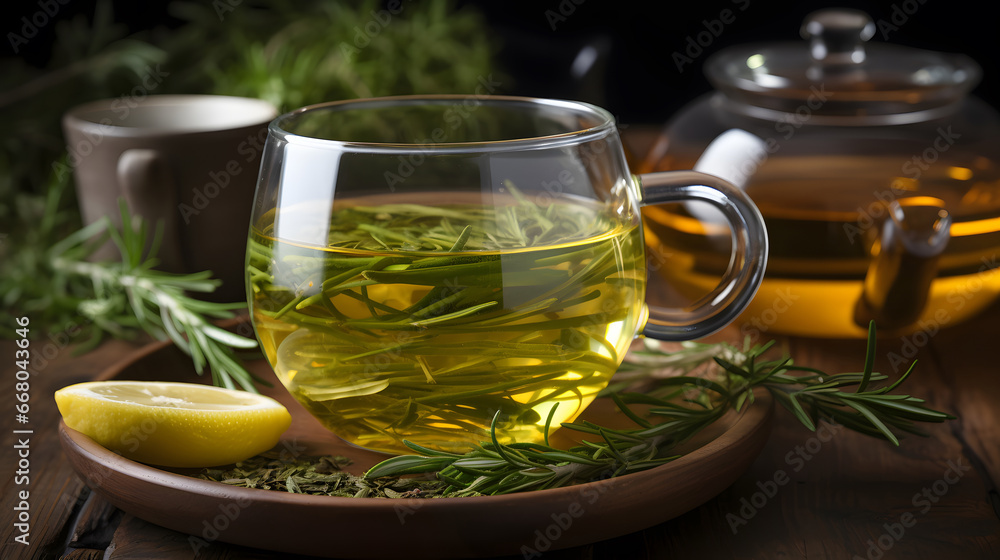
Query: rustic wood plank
(853, 501)
(136, 539)
(845, 491)
(54, 489)
(971, 377)
(83, 554)
(96, 524)
(851, 492)
(845, 479)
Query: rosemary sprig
(158, 300)
(120, 298)
(811, 395)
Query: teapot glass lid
(839, 73)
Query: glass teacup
(420, 267)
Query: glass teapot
(878, 177)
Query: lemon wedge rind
(173, 424)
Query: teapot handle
(904, 262)
(718, 308)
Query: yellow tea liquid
(422, 323)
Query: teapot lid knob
(836, 36)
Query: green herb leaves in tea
(424, 322)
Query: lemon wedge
(173, 424)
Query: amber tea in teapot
(876, 174)
(821, 251)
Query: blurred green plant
(289, 53)
(295, 54)
(90, 60)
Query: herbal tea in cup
(424, 268)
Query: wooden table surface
(847, 496)
(934, 497)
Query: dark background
(636, 77)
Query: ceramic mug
(424, 268)
(188, 162)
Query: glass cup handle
(718, 308)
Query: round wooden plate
(412, 528)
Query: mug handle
(719, 307)
(149, 192)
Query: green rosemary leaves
(679, 408)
